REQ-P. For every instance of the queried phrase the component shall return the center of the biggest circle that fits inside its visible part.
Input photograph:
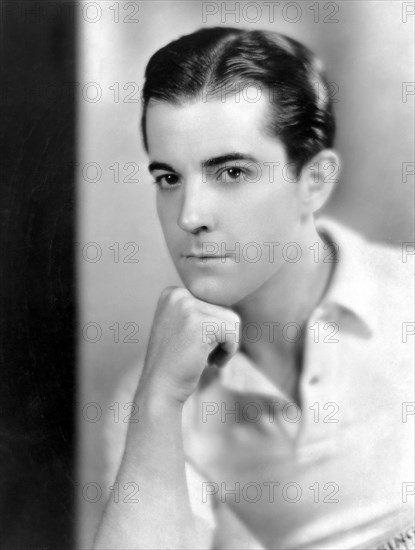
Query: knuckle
(166, 292)
(187, 307)
(235, 318)
(178, 293)
(171, 293)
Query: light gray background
(368, 54)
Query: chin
(213, 292)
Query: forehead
(200, 128)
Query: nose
(196, 213)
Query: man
(272, 392)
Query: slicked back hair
(214, 62)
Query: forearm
(154, 461)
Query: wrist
(159, 424)
(156, 397)
(162, 386)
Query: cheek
(244, 225)
(168, 221)
(271, 217)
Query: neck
(279, 311)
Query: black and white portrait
(210, 276)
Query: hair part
(218, 60)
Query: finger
(227, 338)
(226, 350)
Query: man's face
(211, 204)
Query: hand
(186, 335)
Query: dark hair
(203, 62)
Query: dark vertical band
(37, 198)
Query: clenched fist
(186, 334)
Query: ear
(318, 179)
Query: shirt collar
(353, 281)
(351, 289)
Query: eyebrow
(223, 159)
(214, 161)
(160, 166)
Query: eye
(166, 180)
(231, 174)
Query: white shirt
(337, 474)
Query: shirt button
(319, 313)
(314, 380)
(326, 314)
(331, 313)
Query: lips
(204, 256)
(200, 259)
